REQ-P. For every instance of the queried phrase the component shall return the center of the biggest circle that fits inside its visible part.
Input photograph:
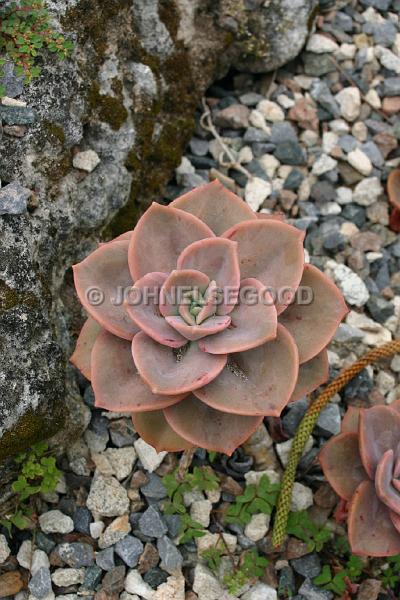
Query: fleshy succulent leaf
(216, 206)
(116, 383)
(175, 286)
(312, 374)
(166, 373)
(379, 431)
(154, 429)
(209, 327)
(159, 238)
(253, 323)
(393, 188)
(208, 428)
(99, 279)
(143, 309)
(256, 382)
(218, 259)
(271, 252)
(370, 527)
(351, 420)
(388, 494)
(81, 357)
(314, 323)
(341, 462)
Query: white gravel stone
(96, 529)
(388, 59)
(374, 333)
(4, 549)
(148, 456)
(206, 586)
(24, 556)
(320, 44)
(285, 101)
(302, 497)
(258, 527)
(256, 191)
(346, 52)
(172, 589)
(344, 195)
(6, 101)
(257, 119)
(367, 191)
(385, 382)
(134, 584)
(67, 577)
(360, 161)
(349, 100)
(212, 540)
(283, 449)
(86, 161)
(330, 209)
(329, 141)
(192, 496)
(107, 497)
(260, 591)
(395, 364)
(339, 126)
(200, 511)
(323, 164)
(270, 164)
(245, 155)
(360, 131)
(54, 521)
(373, 99)
(121, 460)
(352, 286)
(39, 560)
(125, 596)
(271, 111)
(253, 477)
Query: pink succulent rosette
(362, 464)
(195, 371)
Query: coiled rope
(306, 427)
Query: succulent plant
(362, 465)
(202, 368)
(393, 189)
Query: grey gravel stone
(154, 489)
(283, 132)
(107, 497)
(105, 559)
(14, 85)
(151, 523)
(391, 86)
(312, 592)
(307, 566)
(321, 93)
(155, 577)
(55, 521)
(295, 413)
(82, 519)
(174, 525)
(76, 554)
(92, 578)
(373, 153)
(171, 558)
(40, 583)
(129, 549)
(13, 199)
(328, 423)
(290, 153)
(17, 115)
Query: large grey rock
(128, 93)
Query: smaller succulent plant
(362, 464)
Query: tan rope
(306, 427)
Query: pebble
(86, 161)
(17, 115)
(323, 164)
(367, 191)
(319, 44)
(256, 191)
(55, 521)
(40, 583)
(388, 59)
(352, 286)
(115, 532)
(148, 456)
(206, 586)
(172, 589)
(67, 577)
(258, 527)
(271, 111)
(107, 497)
(96, 529)
(4, 549)
(82, 519)
(12, 583)
(311, 592)
(171, 558)
(121, 461)
(105, 559)
(329, 421)
(39, 560)
(349, 100)
(260, 591)
(76, 554)
(360, 161)
(235, 116)
(374, 334)
(13, 199)
(24, 555)
(307, 566)
(290, 153)
(151, 523)
(200, 511)
(302, 497)
(134, 584)
(129, 549)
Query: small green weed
(390, 575)
(303, 527)
(25, 30)
(259, 498)
(202, 479)
(39, 474)
(350, 572)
